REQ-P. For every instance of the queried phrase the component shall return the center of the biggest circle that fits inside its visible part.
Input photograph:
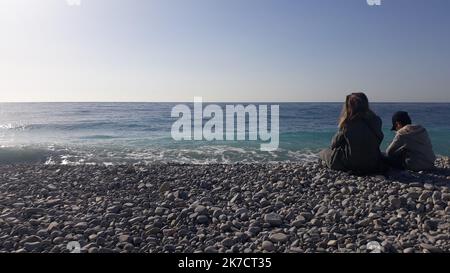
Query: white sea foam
(115, 155)
(14, 126)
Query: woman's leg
(325, 156)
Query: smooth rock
(273, 219)
(278, 238)
(202, 219)
(268, 246)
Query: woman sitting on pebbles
(356, 146)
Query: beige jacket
(413, 142)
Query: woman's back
(356, 146)
(363, 137)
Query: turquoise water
(113, 133)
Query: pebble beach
(235, 208)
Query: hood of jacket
(416, 132)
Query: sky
(224, 50)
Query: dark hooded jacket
(413, 144)
(356, 147)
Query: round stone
(268, 246)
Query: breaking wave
(78, 155)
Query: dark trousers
(395, 162)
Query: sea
(140, 133)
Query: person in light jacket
(356, 145)
(411, 148)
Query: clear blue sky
(224, 50)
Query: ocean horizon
(139, 133)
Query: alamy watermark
(74, 247)
(73, 2)
(190, 127)
(374, 2)
(374, 247)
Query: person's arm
(397, 146)
(338, 139)
(379, 130)
(375, 125)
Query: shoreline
(243, 208)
